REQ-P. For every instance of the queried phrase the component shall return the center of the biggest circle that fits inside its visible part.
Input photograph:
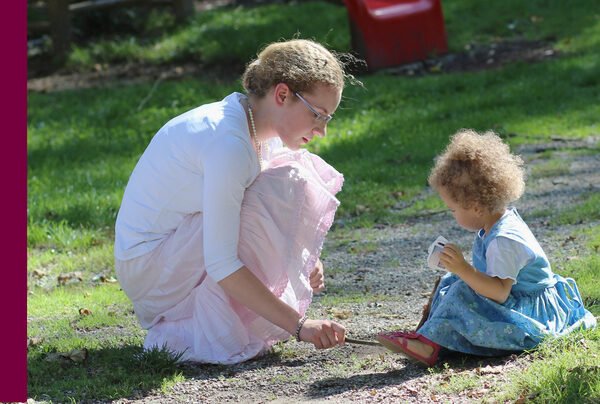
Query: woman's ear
(282, 93)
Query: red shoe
(396, 341)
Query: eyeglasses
(318, 117)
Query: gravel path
(384, 270)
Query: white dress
(284, 215)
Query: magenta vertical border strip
(13, 165)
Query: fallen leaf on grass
(33, 341)
(582, 370)
(69, 277)
(489, 370)
(84, 311)
(104, 278)
(526, 399)
(360, 208)
(568, 239)
(39, 273)
(76, 355)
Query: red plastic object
(393, 32)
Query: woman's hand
(453, 259)
(316, 278)
(322, 333)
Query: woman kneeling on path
(219, 233)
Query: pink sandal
(396, 341)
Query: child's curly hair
(481, 169)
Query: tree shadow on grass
(112, 373)
(98, 375)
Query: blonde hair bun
(300, 63)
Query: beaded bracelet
(300, 324)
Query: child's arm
(489, 286)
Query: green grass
(234, 34)
(110, 372)
(83, 144)
(565, 370)
(585, 269)
(551, 168)
(585, 210)
(221, 36)
(100, 320)
(67, 317)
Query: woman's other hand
(317, 279)
(322, 333)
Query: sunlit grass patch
(585, 269)
(453, 382)
(74, 317)
(564, 370)
(551, 168)
(584, 210)
(46, 268)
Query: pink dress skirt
(285, 215)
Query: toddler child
(509, 300)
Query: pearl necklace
(256, 142)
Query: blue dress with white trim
(541, 303)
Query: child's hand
(317, 279)
(453, 259)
